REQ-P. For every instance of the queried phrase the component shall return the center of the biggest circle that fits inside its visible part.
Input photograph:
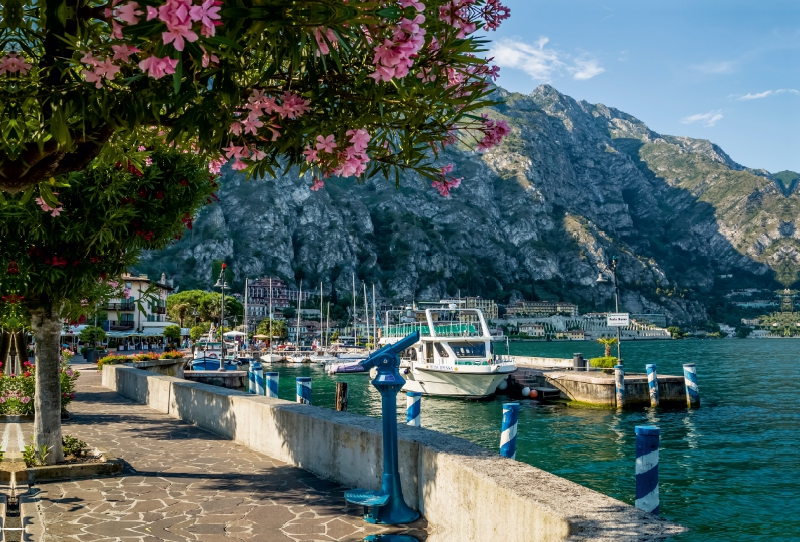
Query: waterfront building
(126, 315)
(750, 322)
(487, 306)
(283, 296)
(658, 320)
(532, 330)
(534, 309)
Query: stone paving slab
(183, 483)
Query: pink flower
(158, 67)
(26, 399)
(106, 69)
(233, 151)
(123, 52)
(236, 128)
(359, 138)
(13, 64)
(207, 13)
(176, 35)
(72, 396)
(208, 58)
(215, 166)
(2, 400)
(129, 12)
(238, 165)
(47, 209)
(493, 131)
(317, 185)
(326, 144)
(126, 293)
(70, 373)
(311, 155)
(152, 13)
(252, 124)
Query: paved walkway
(183, 483)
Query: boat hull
(453, 384)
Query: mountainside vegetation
(538, 217)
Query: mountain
(538, 217)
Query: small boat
(454, 356)
(321, 357)
(207, 354)
(271, 358)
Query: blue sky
(727, 71)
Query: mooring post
(413, 408)
(341, 396)
(258, 378)
(647, 437)
(272, 384)
(690, 380)
(251, 379)
(304, 390)
(508, 434)
(652, 384)
(619, 385)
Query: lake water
(730, 471)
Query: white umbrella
(234, 334)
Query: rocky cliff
(538, 217)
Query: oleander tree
(335, 86)
(61, 263)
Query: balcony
(159, 310)
(120, 307)
(115, 325)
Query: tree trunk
(46, 326)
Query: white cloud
(715, 67)
(585, 69)
(708, 119)
(767, 93)
(540, 62)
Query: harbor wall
(466, 493)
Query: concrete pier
(597, 388)
(452, 482)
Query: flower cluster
(13, 63)
(261, 111)
(459, 14)
(444, 183)
(493, 131)
(54, 211)
(330, 159)
(395, 56)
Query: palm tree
(608, 343)
(180, 310)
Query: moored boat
(454, 356)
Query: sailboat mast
(366, 310)
(328, 325)
(270, 319)
(321, 340)
(374, 319)
(355, 316)
(246, 329)
(299, 312)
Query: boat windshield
(469, 349)
(209, 345)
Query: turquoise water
(730, 470)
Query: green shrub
(72, 446)
(34, 457)
(604, 362)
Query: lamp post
(602, 280)
(221, 284)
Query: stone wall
(466, 493)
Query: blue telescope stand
(387, 505)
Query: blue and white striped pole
(652, 384)
(272, 384)
(647, 468)
(508, 436)
(692, 390)
(251, 379)
(304, 390)
(413, 408)
(619, 385)
(258, 379)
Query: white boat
(207, 354)
(270, 358)
(454, 356)
(322, 357)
